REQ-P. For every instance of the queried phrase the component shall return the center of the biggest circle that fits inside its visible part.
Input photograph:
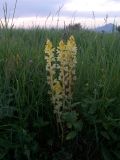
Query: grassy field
(28, 127)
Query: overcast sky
(79, 10)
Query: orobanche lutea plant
(60, 67)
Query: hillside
(106, 28)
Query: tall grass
(27, 122)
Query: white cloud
(92, 5)
(81, 10)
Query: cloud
(114, 1)
(26, 8)
(71, 8)
(89, 14)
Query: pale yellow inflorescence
(67, 60)
(61, 87)
(55, 86)
(49, 57)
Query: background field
(28, 128)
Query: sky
(50, 13)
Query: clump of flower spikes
(63, 61)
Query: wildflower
(61, 82)
(50, 58)
(48, 47)
(60, 68)
(67, 60)
(61, 46)
(71, 45)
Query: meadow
(28, 126)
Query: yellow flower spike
(49, 47)
(50, 59)
(62, 46)
(48, 44)
(72, 40)
(71, 44)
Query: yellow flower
(61, 46)
(48, 44)
(71, 45)
(57, 88)
(48, 47)
(72, 40)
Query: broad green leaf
(78, 125)
(70, 116)
(71, 135)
